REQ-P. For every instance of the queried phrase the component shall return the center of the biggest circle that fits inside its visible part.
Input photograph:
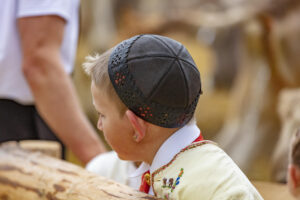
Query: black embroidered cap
(156, 78)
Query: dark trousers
(19, 122)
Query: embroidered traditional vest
(202, 171)
(145, 182)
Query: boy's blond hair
(97, 67)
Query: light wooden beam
(34, 176)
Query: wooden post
(34, 176)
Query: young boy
(293, 175)
(146, 90)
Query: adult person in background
(38, 41)
(293, 175)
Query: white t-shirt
(12, 81)
(110, 166)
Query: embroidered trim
(171, 184)
(166, 197)
(191, 146)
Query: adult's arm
(52, 88)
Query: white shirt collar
(173, 145)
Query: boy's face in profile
(117, 129)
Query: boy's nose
(99, 124)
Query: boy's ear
(138, 124)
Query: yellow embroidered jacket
(202, 171)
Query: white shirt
(110, 166)
(12, 82)
(173, 145)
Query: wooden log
(33, 176)
(50, 148)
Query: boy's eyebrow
(96, 109)
(98, 112)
